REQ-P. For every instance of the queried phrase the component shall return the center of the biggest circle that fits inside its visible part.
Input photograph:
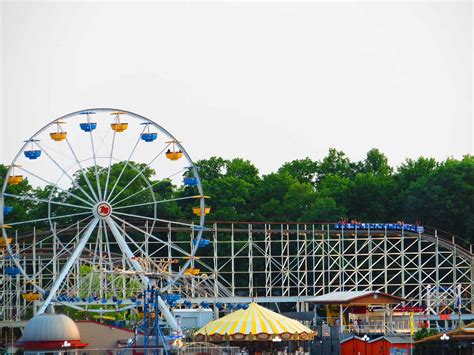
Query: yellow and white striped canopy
(253, 322)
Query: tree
(375, 163)
(412, 170)
(304, 170)
(212, 168)
(268, 196)
(298, 201)
(370, 197)
(444, 198)
(335, 163)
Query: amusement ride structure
(97, 246)
(103, 240)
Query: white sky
(269, 82)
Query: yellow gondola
(197, 210)
(150, 314)
(192, 272)
(173, 154)
(4, 243)
(118, 126)
(59, 135)
(31, 296)
(15, 179)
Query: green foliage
(304, 170)
(423, 333)
(440, 194)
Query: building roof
(253, 321)
(390, 339)
(352, 297)
(466, 332)
(50, 331)
(47, 327)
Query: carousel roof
(253, 321)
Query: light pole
(365, 338)
(444, 338)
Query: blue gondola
(32, 154)
(190, 181)
(12, 271)
(202, 243)
(188, 304)
(172, 297)
(149, 137)
(88, 127)
(205, 304)
(133, 299)
(7, 210)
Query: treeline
(438, 194)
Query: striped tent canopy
(254, 323)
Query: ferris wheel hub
(102, 210)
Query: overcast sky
(269, 82)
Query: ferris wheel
(103, 190)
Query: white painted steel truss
(280, 261)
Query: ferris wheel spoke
(36, 199)
(91, 274)
(164, 242)
(114, 228)
(125, 165)
(126, 250)
(55, 234)
(157, 219)
(95, 160)
(158, 202)
(109, 254)
(139, 192)
(55, 186)
(84, 175)
(52, 260)
(74, 183)
(140, 173)
(70, 262)
(110, 165)
(49, 218)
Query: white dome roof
(47, 326)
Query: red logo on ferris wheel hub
(104, 209)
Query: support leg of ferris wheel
(65, 270)
(138, 268)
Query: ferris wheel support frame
(138, 268)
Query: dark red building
(384, 345)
